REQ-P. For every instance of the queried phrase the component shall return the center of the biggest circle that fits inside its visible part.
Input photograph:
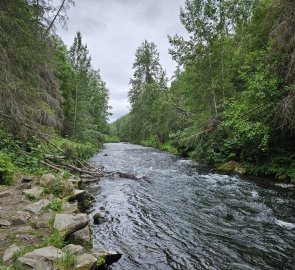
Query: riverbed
(183, 215)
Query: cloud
(113, 30)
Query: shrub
(7, 171)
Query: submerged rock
(68, 224)
(98, 219)
(109, 257)
(232, 167)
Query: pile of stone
(72, 225)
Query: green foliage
(66, 262)
(55, 239)
(100, 261)
(111, 138)
(229, 99)
(4, 267)
(56, 204)
(7, 170)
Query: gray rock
(68, 224)
(22, 229)
(44, 218)
(70, 208)
(85, 262)
(73, 249)
(4, 223)
(34, 193)
(48, 181)
(37, 207)
(20, 218)
(6, 193)
(77, 193)
(40, 259)
(8, 254)
(82, 237)
(23, 186)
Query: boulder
(73, 249)
(86, 262)
(85, 201)
(21, 218)
(70, 208)
(43, 219)
(40, 259)
(4, 223)
(37, 207)
(82, 237)
(34, 193)
(68, 224)
(48, 181)
(8, 254)
(68, 189)
(78, 193)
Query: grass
(67, 262)
(55, 239)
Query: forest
(230, 106)
(231, 101)
(48, 92)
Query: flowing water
(184, 216)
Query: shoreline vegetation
(230, 103)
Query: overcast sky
(114, 29)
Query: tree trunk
(56, 15)
(212, 84)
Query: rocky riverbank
(42, 225)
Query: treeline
(232, 97)
(45, 88)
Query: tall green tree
(147, 87)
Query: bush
(7, 171)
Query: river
(186, 216)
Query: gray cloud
(113, 30)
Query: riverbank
(44, 225)
(44, 208)
(271, 171)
